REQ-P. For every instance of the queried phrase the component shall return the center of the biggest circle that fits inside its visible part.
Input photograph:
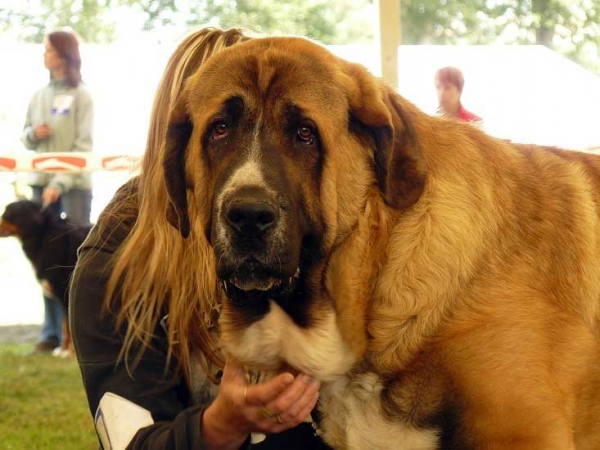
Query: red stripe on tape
(59, 163)
(116, 162)
(8, 163)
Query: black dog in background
(50, 243)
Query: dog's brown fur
(463, 272)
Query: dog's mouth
(255, 284)
(252, 286)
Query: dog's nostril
(251, 218)
(265, 218)
(235, 215)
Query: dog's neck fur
(404, 296)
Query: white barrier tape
(66, 162)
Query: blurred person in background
(449, 83)
(60, 119)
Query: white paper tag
(257, 438)
(117, 421)
(62, 104)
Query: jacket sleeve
(84, 123)
(27, 137)
(97, 343)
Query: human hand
(270, 407)
(42, 131)
(50, 195)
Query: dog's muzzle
(250, 222)
(7, 229)
(255, 265)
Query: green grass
(42, 402)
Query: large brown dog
(444, 285)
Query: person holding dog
(148, 350)
(60, 119)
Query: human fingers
(301, 416)
(295, 410)
(40, 131)
(263, 393)
(233, 373)
(50, 195)
(291, 407)
(230, 409)
(299, 391)
(285, 421)
(242, 406)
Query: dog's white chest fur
(318, 350)
(353, 420)
(352, 417)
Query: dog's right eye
(306, 133)
(219, 130)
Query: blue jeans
(53, 315)
(77, 204)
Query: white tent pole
(389, 39)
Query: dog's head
(21, 218)
(277, 145)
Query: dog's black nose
(251, 218)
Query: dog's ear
(178, 135)
(398, 158)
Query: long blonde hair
(156, 272)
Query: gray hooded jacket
(69, 111)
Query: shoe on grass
(45, 346)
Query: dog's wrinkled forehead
(263, 71)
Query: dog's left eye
(219, 131)
(306, 134)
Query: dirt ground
(19, 334)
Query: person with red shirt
(449, 83)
